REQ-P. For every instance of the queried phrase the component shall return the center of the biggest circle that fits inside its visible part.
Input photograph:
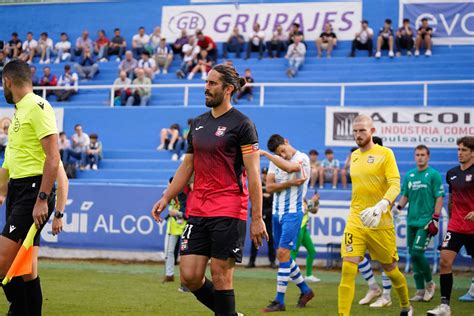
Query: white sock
(387, 285)
(366, 270)
(471, 289)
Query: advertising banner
(218, 21)
(403, 126)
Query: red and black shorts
(455, 241)
(21, 199)
(214, 237)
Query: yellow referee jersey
(33, 120)
(375, 176)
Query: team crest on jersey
(468, 177)
(220, 131)
(349, 248)
(371, 159)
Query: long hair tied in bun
(230, 77)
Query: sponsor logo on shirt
(468, 177)
(220, 131)
(371, 159)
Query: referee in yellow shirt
(375, 186)
(32, 160)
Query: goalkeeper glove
(432, 226)
(370, 217)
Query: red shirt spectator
(206, 43)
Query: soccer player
(222, 152)
(375, 185)
(461, 223)
(423, 190)
(32, 160)
(288, 177)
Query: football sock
(400, 285)
(297, 278)
(346, 288)
(16, 296)
(387, 285)
(205, 294)
(34, 297)
(366, 270)
(225, 302)
(446, 282)
(282, 281)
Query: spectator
(45, 47)
(277, 43)
(4, 126)
(29, 48)
(34, 79)
(327, 40)
(423, 36)
(155, 39)
(83, 42)
(256, 42)
(363, 39)
(117, 45)
(70, 81)
(315, 166)
(48, 79)
(204, 65)
(122, 89)
(295, 55)
(139, 42)
(345, 171)
(246, 90)
(92, 154)
(63, 143)
(404, 38)
(140, 96)
(63, 49)
(163, 56)
(169, 137)
(385, 39)
(147, 64)
(101, 46)
(14, 47)
(180, 42)
(80, 142)
(206, 43)
(234, 43)
(295, 32)
(190, 55)
(87, 67)
(329, 170)
(3, 62)
(129, 64)
(229, 63)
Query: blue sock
(282, 281)
(297, 278)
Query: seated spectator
(327, 40)
(295, 32)
(129, 64)
(87, 67)
(101, 46)
(139, 42)
(4, 126)
(385, 39)
(163, 56)
(155, 39)
(315, 165)
(35, 80)
(92, 154)
(329, 170)
(169, 137)
(295, 55)
(29, 49)
(204, 65)
(140, 96)
(147, 64)
(179, 43)
(45, 47)
(256, 42)
(190, 55)
(14, 47)
(70, 81)
(206, 43)
(3, 62)
(229, 63)
(63, 49)
(80, 142)
(63, 143)
(122, 89)
(117, 45)
(423, 35)
(363, 39)
(246, 90)
(48, 79)
(82, 42)
(277, 43)
(235, 44)
(345, 171)
(404, 38)
(181, 146)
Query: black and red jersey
(218, 145)
(461, 188)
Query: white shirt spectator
(28, 45)
(154, 40)
(122, 84)
(48, 42)
(163, 51)
(69, 81)
(195, 51)
(364, 35)
(280, 37)
(260, 34)
(80, 143)
(296, 51)
(150, 63)
(140, 41)
(66, 45)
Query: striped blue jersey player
(290, 200)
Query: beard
(8, 95)
(363, 142)
(214, 100)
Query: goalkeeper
(375, 185)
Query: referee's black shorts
(214, 237)
(21, 199)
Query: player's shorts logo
(468, 177)
(220, 131)
(184, 244)
(349, 248)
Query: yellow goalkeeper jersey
(375, 176)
